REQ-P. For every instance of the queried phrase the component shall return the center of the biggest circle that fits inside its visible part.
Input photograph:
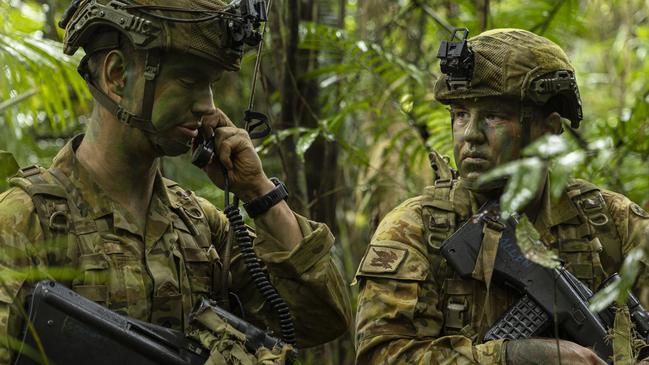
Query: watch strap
(262, 204)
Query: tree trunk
(321, 158)
(289, 94)
(51, 23)
(484, 15)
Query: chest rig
(156, 282)
(588, 244)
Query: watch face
(281, 187)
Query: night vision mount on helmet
(456, 60)
(210, 29)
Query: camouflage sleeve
(398, 319)
(632, 223)
(19, 226)
(306, 277)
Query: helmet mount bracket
(456, 60)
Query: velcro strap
(29, 171)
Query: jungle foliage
(348, 87)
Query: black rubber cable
(259, 277)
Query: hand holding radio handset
(227, 155)
(222, 147)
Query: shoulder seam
(15, 190)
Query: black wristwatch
(259, 206)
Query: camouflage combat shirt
(412, 307)
(158, 274)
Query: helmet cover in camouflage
(521, 65)
(197, 27)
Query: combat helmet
(512, 63)
(210, 29)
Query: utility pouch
(456, 313)
(459, 304)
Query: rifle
(66, 328)
(545, 292)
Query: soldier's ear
(552, 123)
(114, 72)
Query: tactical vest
(109, 275)
(587, 244)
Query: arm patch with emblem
(637, 210)
(383, 259)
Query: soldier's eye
(460, 117)
(493, 119)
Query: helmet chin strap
(142, 122)
(526, 116)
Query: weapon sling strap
(438, 218)
(438, 213)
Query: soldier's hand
(544, 351)
(226, 344)
(234, 151)
(225, 347)
(276, 356)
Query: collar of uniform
(464, 202)
(158, 219)
(552, 212)
(66, 161)
(101, 204)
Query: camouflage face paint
(183, 94)
(486, 134)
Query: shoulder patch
(382, 259)
(637, 210)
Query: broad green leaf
(529, 241)
(8, 167)
(548, 146)
(525, 179)
(562, 170)
(305, 141)
(618, 291)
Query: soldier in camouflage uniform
(413, 308)
(104, 221)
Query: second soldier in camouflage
(512, 88)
